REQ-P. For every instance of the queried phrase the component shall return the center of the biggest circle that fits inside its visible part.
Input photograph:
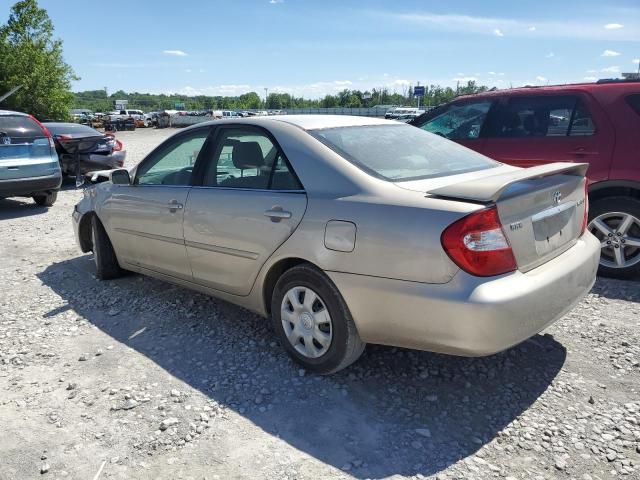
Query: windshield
(401, 152)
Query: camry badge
(556, 197)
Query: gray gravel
(135, 378)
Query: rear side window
(634, 102)
(543, 116)
(70, 129)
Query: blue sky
(310, 48)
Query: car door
(461, 121)
(536, 129)
(248, 203)
(145, 218)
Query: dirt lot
(136, 378)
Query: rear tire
(107, 266)
(322, 318)
(615, 221)
(46, 199)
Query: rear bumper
(91, 162)
(25, 187)
(470, 316)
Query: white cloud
(613, 26)
(590, 79)
(636, 61)
(188, 70)
(592, 71)
(491, 73)
(610, 53)
(542, 79)
(465, 79)
(497, 32)
(550, 55)
(531, 29)
(275, 2)
(176, 53)
(613, 69)
(514, 27)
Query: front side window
(459, 121)
(248, 158)
(401, 152)
(174, 164)
(543, 116)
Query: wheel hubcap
(619, 235)
(306, 322)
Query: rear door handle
(276, 214)
(582, 151)
(174, 205)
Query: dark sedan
(94, 150)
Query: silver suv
(29, 164)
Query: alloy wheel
(306, 322)
(619, 235)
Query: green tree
(31, 57)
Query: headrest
(247, 155)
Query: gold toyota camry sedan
(350, 230)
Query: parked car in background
(348, 230)
(597, 123)
(28, 161)
(396, 113)
(93, 149)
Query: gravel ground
(135, 378)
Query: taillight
(585, 215)
(477, 244)
(45, 130)
(118, 145)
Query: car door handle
(582, 151)
(277, 214)
(174, 205)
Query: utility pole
(418, 84)
(266, 95)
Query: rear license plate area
(554, 227)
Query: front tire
(615, 221)
(104, 256)
(313, 322)
(46, 199)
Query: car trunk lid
(541, 209)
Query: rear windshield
(19, 126)
(401, 152)
(70, 128)
(634, 102)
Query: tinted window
(458, 121)
(19, 129)
(70, 129)
(247, 158)
(542, 116)
(401, 152)
(173, 165)
(634, 102)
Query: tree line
(100, 101)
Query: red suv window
(541, 116)
(634, 102)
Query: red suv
(596, 123)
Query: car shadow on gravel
(395, 411)
(11, 208)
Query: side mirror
(120, 177)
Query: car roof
(10, 112)
(621, 86)
(305, 122)
(314, 122)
